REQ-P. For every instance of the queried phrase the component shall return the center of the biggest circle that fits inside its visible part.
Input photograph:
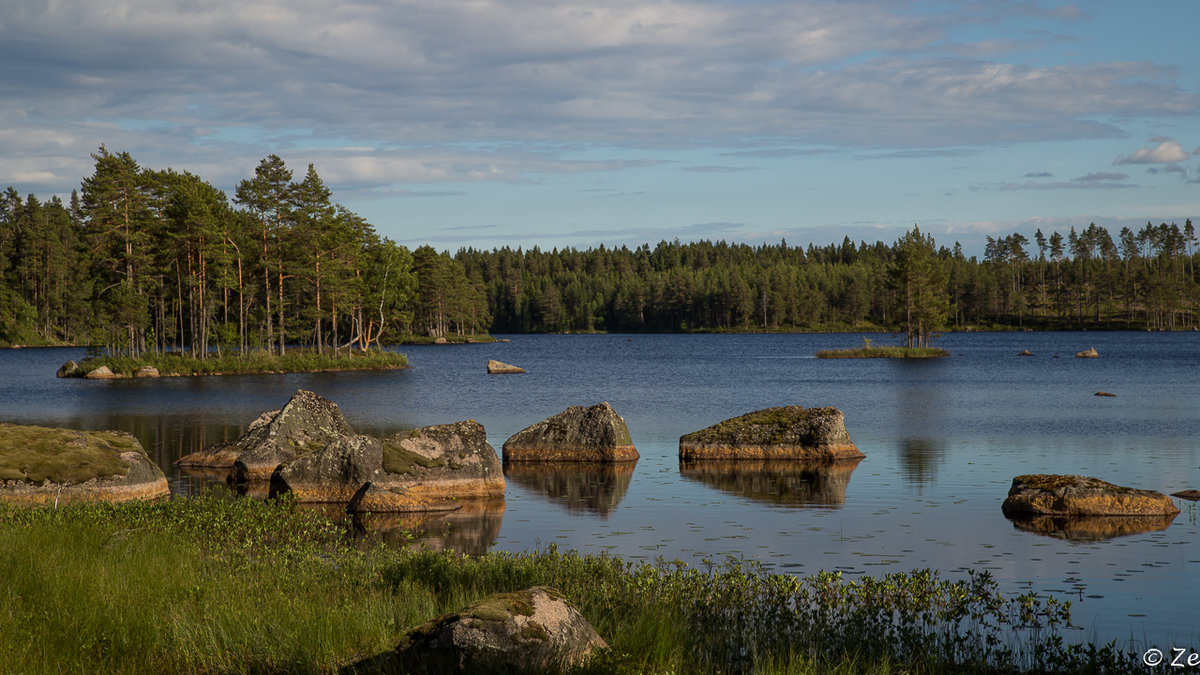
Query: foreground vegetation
(294, 361)
(217, 583)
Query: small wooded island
(151, 365)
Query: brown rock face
(307, 423)
(499, 368)
(47, 466)
(1054, 495)
(430, 468)
(146, 371)
(577, 434)
(789, 432)
(534, 630)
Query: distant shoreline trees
(145, 260)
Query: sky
(555, 123)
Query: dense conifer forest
(157, 260)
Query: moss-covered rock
(534, 630)
(787, 432)
(577, 434)
(1063, 495)
(43, 465)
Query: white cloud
(1166, 152)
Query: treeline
(1143, 279)
(145, 260)
(157, 260)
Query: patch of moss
(534, 631)
(765, 427)
(1049, 481)
(397, 460)
(37, 454)
(499, 607)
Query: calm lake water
(942, 439)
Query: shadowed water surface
(943, 440)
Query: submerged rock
(306, 424)
(1104, 393)
(1055, 495)
(430, 468)
(534, 630)
(495, 367)
(788, 432)
(1190, 495)
(1089, 353)
(1024, 352)
(577, 434)
(51, 466)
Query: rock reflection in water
(1091, 528)
(581, 487)
(791, 483)
(471, 529)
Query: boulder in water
(577, 434)
(1055, 495)
(787, 432)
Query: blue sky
(559, 123)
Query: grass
(293, 361)
(217, 583)
(883, 353)
(36, 454)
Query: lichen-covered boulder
(495, 367)
(146, 371)
(577, 434)
(1089, 353)
(426, 469)
(1055, 495)
(69, 369)
(306, 424)
(47, 466)
(788, 432)
(534, 630)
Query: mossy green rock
(1059, 495)
(577, 434)
(786, 432)
(43, 465)
(535, 630)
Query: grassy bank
(221, 584)
(293, 361)
(883, 353)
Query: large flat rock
(1058, 495)
(786, 432)
(48, 466)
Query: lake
(942, 438)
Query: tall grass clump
(217, 583)
(883, 353)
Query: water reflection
(919, 459)
(791, 483)
(471, 529)
(581, 487)
(1091, 528)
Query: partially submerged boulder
(430, 468)
(48, 466)
(577, 434)
(787, 432)
(1089, 353)
(308, 423)
(534, 630)
(1190, 495)
(1105, 394)
(1056, 495)
(146, 371)
(1024, 352)
(101, 373)
(69, 369)
(495, 367)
